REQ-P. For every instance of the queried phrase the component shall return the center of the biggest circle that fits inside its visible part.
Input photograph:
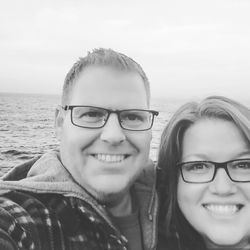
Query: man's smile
(110, 158)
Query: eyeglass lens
(199, 171)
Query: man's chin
(106, 192)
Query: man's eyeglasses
(95, 117)
(205, 171)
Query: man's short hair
(102, 57)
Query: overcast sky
(187, 47)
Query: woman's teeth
(222, 209)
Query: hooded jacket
(42, 207)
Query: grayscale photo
(125, 125)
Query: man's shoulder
(26, 203)
(64, 220)
(31, 220)
(46, 208)
(23, 217)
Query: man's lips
(223, 209)
(110, 158)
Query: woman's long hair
(172, 224)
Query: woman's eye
(196, 167)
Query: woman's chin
(225, 243)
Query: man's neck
(121, 207)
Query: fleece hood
(41, 175)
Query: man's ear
(59, 120)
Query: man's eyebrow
(246, 152)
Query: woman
(204, 177)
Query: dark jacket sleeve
(17, 230)
(6, 243)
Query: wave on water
(26, 157)
(15, 152)
(12, 152)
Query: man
(88, 195)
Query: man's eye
(91, 114)
(133, 117)
(88, 115)
(242, 165)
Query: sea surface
(27, 126)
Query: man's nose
(112, 132)
(222, 185)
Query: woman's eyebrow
(200, 156)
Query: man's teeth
(222, 209)
(109, 158)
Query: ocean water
(27, 126)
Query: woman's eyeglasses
(204, 171)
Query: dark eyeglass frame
(110, 111)
(217, 165)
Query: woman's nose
(222, 184)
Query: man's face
(107, 160)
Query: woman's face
(219, 210)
